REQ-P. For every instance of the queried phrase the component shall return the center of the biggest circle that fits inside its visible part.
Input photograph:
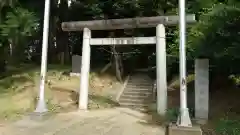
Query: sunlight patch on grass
(19, 88)
(14, 105)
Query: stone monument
(201, 89)
(76, 65)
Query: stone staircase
(138, 92)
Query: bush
(228, 127)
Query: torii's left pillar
(84, 79)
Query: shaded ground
(224, 111)
(117, 121)
(224, 115)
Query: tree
(19, 24)
(6, 3)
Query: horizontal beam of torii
(128, 23)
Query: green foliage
(6, 3)
(9, 3)
(17, 27)
(228, 127)
(172, 114)
(235, 78)
(217, 33)
(20, 22)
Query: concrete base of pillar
(40, 116)
(201, 121)
(176, 130)
(75, 74)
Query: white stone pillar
(161, 70)
(84, 79)
(201, 89)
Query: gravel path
(118, 121)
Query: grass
(19, 89)
(228, 126)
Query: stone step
(138, 90)
(140, 81)
(135, 92)
(140, 76)
(136, 96)
(140, 93)
(135, 105)
(136, 100)
(139, 86)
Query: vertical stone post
(201, 89)
(76, 63)
(84, 79)
(161, 70)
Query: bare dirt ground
(103, 91)
(116, 121)
(19, 90)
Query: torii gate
(129, 23)
(143, 22)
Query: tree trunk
(116, 63)
(62, 37)
(106, 67)
(62, 58)
(14, 56)
(0, 16)
(10, 49)
(67, 49)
